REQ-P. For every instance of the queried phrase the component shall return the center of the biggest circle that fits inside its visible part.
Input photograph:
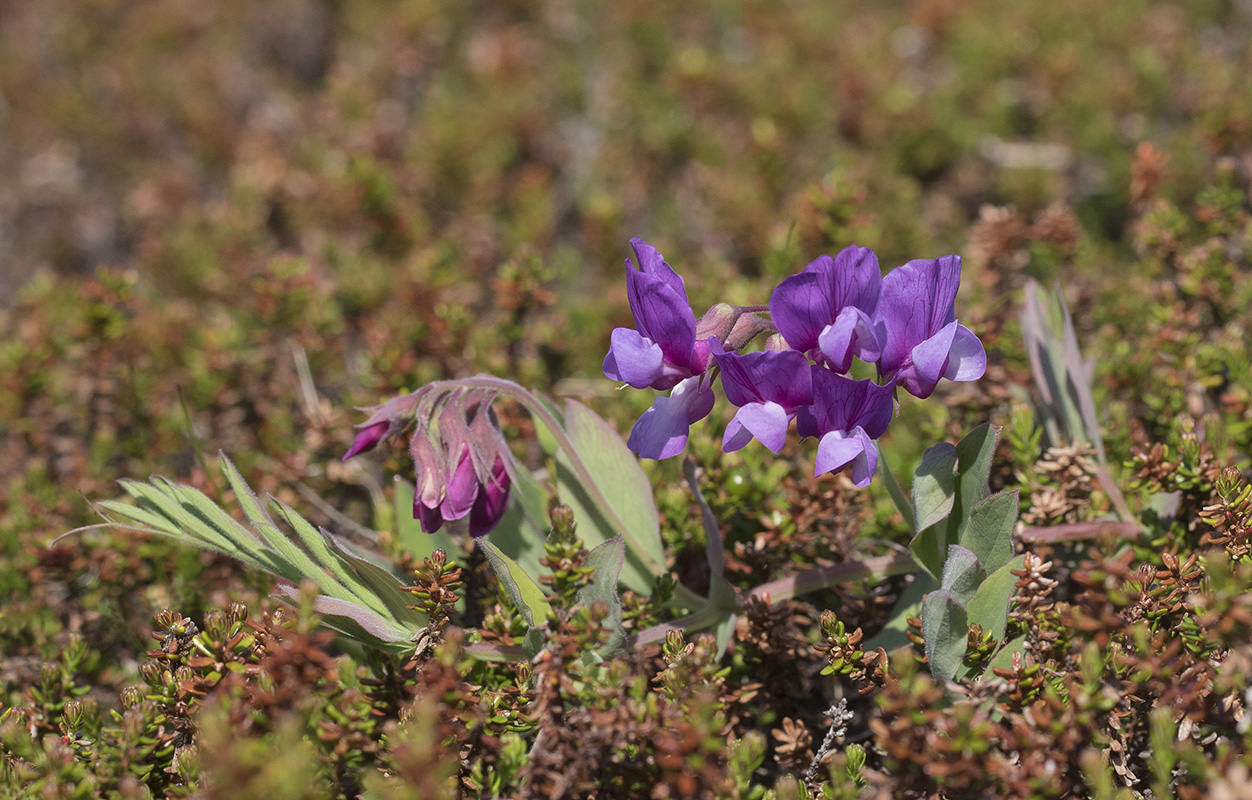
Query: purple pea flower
(661, 432)
(916, 320)
(769, 387)
(828, 308)
(662, 349)
(847, 416)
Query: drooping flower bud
(367, 439)
(493, 499)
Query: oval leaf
(962, 573)
(990, 606)
(989, 531)
(946, 631)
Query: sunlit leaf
(946, 632)
(526, 595)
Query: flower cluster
(837, 310)
(462, 463)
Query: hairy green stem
(715, 551)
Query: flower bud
(776, 343)
(368, 438)
(717, 322)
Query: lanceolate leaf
(359, 598)
(946, 632)
(990, 606)
(616, 471)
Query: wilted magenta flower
(847, 416)
(828, 309)
(916, 321)
(484, 502)
(769, 387)
(661, 432)
(493, 499)
(387, 420)
(367, 439)
(662, 350)
(462, 467)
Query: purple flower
(467, 473)
(662, 350)
(769, 387)
(828, 308)
(661, 432)
(847, 416)
(493, 499)
(368, 438)
(916, 321)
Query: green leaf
(244, 496)
(353, 620)
(892, 636)
(962, 573)
(946, 631)
(320, 553)
(359, 597)
(933, 494)
(1003, 659)
(989, 531)
(990, 606)
(934, 485)
(409, 533)
(723, 630)
(524, 527)
(973, 457)
(526, 595)
(607, 558)
(374, 580)
(625, 486)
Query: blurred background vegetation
(224, 224)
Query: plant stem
(879, 567)
(715, 551)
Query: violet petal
(633, 359)
(929, 359)
(662, 315)
(851, 334)
(838, 450)
(651, 263)
(967, 360)
(661, 432)
(493, 499)
(462, 489)
(766, 421)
